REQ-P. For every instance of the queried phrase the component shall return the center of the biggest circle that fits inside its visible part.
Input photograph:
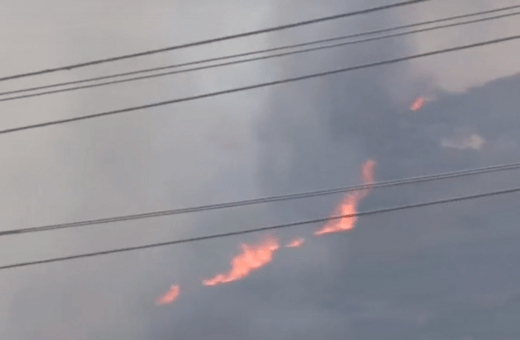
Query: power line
(271, 199)
(257, 86)
(248, 60)
(214, 40)
(356, 35)
(256, 230)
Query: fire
(251, 258)
(418, 103)
(349, 205)
(368, 172)
(170, 296)
(297, 242)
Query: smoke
(402, 272)
(408, 275)
(139, 162)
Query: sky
(446, 272)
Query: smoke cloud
(435, 273)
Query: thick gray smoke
(435, 273)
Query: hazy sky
(435, 273)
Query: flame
(347, 207)
(349, 204)
(252, 257)
(368, 172)
(418, 103)
(170, 296)
(297, 242)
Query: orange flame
(368, 172)
(170, 296)
(252, 257)
(297, 242)
(349, 205)
(418, 103)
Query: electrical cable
(213, 40)
(257, 86)
(271, 199)
(256, 230)
(114, 82)
(356, 35)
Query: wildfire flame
(349, 205)
(297, 242)
(170, 296)
(251, 258)
(368, 172)
(418, 103)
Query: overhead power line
(236, 62)
(256, 230)
(271, 199)
(257, 86)
(213, 40)
(239, 55)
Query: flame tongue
(170, 296)
(368, 171)
(251, 258)
(418, 103)
(368, 178)
(349, 205)
(297, 242)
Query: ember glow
(297, 242)
(170, 296)
(251, 258)
(417, 103)
(349, 205)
